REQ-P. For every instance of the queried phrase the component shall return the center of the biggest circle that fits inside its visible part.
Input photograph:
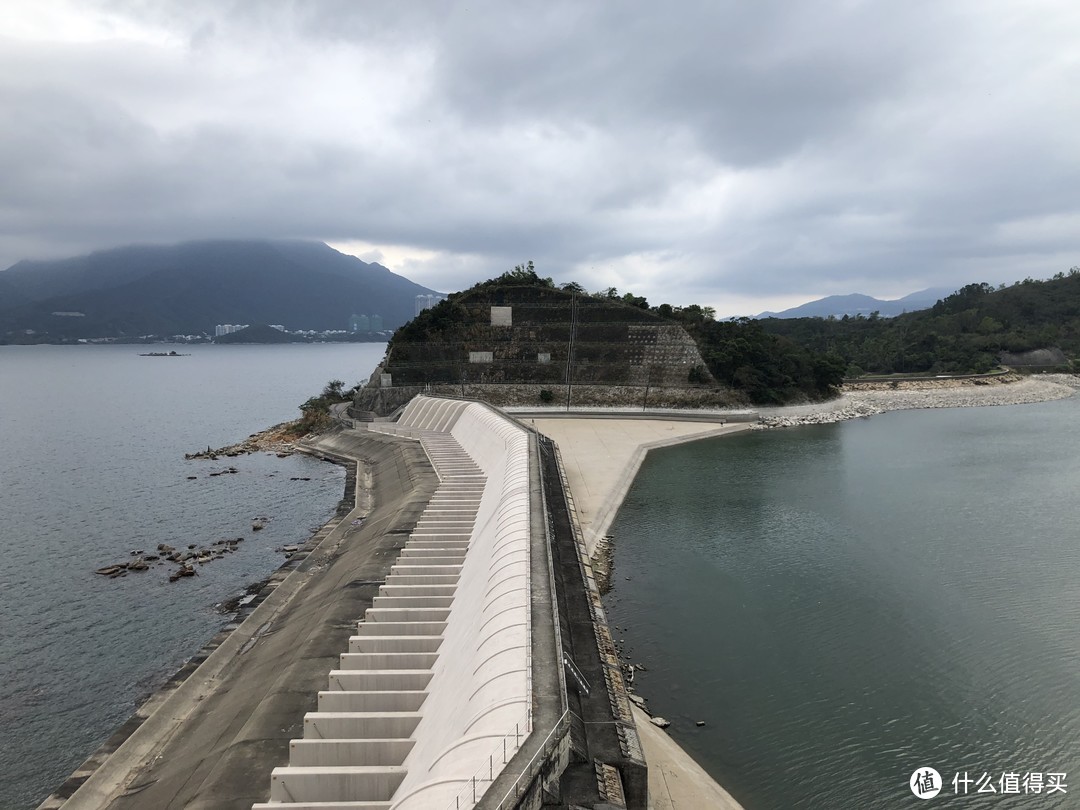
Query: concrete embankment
(601, 457)
(439, 675)
(210, 739)
(259, 698)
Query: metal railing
(474, 789)
(532, 768)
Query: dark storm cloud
(727, 152)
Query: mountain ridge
(854, 304)
(189, 287)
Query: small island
(163, 354)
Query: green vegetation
(315, 414)
(769, 369)
(740, 354)
(965, 332)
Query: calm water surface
(93, 467)
(843, 604)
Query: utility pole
(570, 349)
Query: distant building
(360, 323)
(427, 301)
(376, 323)
(228, 328)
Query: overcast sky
(749, 155)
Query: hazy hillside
(190, 287)
(964, 332)
(855, 304)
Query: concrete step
(339, 784)
(394, 644)
(422, 579)
(388, 660)
(417, 590)
(419, 570)
(406, 614)
(432, 559)
(355, 680)
(386, 600)
(388, 701)
(433, 553)
(359, 725)
(330, 753)
(401, 628)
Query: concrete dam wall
(482, 674)
(438, 674)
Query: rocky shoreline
(861, 401)
(280, 439)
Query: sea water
(92, 468)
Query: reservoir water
(845, 604)
(92, 467)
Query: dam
(442, 645)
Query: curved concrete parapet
(438, 677)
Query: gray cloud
(729, 153)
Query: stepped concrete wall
(438, 675)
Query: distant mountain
(856, 304)
(260, 333)
(190, 287)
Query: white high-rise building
(228, 328)
(427, 301)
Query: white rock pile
(855, 404)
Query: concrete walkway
(676, 782)
(601, 458)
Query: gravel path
(936, 394)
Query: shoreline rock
(280, 439)
(862, 401)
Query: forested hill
(190, 287)
(965, 332)
(601, 338)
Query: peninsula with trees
(521, 339)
